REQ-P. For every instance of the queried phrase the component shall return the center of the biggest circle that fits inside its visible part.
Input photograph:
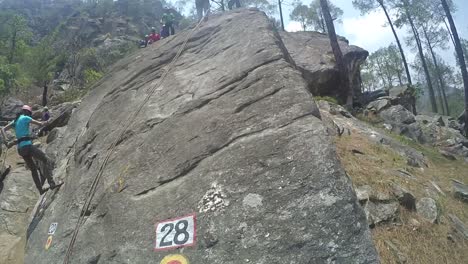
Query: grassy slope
(426, 243)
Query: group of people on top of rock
(29, 152)
(168, 21)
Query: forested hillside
(69, 41)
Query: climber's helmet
(27, 109)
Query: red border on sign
(173, 219)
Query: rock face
(312, 54)
(17, 198)
(460, 190)
(427, 208)
(10, 107)
(232, 135)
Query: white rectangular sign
(53, 228)
(176, 233)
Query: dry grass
(427, 243)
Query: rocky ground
(417, 210)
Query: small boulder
(379, 105)
(459, 226)
(366, 192)
(423, 119)
(414, 223)
(447, 155)
(397, 114)
(439, 120)
(380, 212)
(363, 193)
(460, 190)
(405, 198)
(427, 208)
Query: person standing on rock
(203, 8)
(45, 114)
(168, 21)
(28, 151)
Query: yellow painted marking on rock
(174, 259)
(48, 243)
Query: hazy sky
(369, 31)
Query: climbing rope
(128, 124)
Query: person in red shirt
(153, 37)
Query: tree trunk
(450, 32)
(400, 79)
(443, 99)
(461, 59)
(403, 57)
(11, 56)
(44, 94)
(281, 14)
(346, 90)
(384, 80)
(322, 22)
(423, 61)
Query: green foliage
(110, 56)
(14, 39)
(91, 76)
(301, 13)
(312, 16)
(70, 95)
(383, 69)
(269, 7)
(326, 98)
(366, 6)
(88, 59)
(453, 85)
(42, 61)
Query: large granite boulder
(232, 135)
(312, 53)
(17, 198)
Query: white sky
(369, 31)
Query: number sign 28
(175, 233)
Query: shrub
(326, 98)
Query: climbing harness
(127, 123)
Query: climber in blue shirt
(28, 151)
